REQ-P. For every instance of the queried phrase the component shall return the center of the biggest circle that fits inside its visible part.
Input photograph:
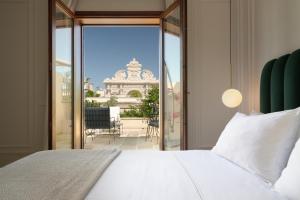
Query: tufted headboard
(280, 84)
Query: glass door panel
(169, 2)
(63, 82)
(66, 2)
(172, 80)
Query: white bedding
(188, 175)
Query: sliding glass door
(62, 81)
(173, 80)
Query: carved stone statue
(147, 75)
(131, 78)
(120, 75)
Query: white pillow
(289, 182)
(260, 144)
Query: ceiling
(117, 5)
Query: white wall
(120, 5)
(277, 29)
(208, 70)
(263, 30)
(23, 77)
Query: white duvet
(187, 175)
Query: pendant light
(231, 98)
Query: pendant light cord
(230, 47)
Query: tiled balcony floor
(124, 143)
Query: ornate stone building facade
(134, 78)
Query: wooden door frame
(184, 37)
(52, 4)
(51, 40)
(183, 44)
(80, 16)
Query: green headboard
(280, 84)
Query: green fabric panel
(277, 84)
(292, 81)
(265, 87)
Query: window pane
(62, 82)
(172, 69)
(169, 2)
(66, 2)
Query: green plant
(135, 93)
(92, 104)
(150, 103)
(134, 111)
(112, 102)
(89, 93)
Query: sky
(172, 58)
(108, 49)
(63, 48)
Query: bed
(153, 175)
(192, 175)
(130, 175)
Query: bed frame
(280, 84)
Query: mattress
(186, 175)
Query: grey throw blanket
(51, 175)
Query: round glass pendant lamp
(232, 98)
